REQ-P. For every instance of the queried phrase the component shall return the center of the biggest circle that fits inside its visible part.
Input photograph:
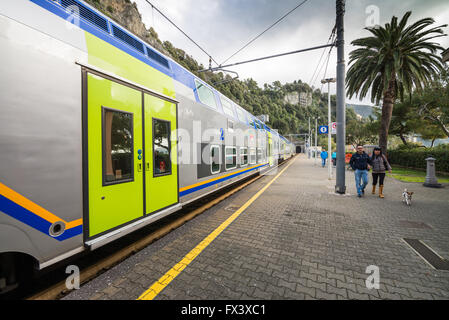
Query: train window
(118, 165)
(227, 107)
(230, 126)
(241, 115)
(231, 158)
(243, 157)
(251, 122)
(259, 155)
(255, 124)
(206, 95)
(215, 165)
(252, 156)
(161, 147)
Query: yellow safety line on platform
(160, 285)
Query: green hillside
(364, 111)
(268, 99)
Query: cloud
(221, 27)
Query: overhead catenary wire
(317, 74)
(268, 57)
(327, 65)
(331, 37)
(185, 34)
(263, 32)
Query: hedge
(416, 158)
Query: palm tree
(392, 63)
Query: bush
(442, 147)
(410, 146)
(416, 157)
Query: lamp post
(309, 142)
(316, 140)
(329, 150)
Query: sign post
(329, 116)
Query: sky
(222, 27)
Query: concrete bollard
(431, 178)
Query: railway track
(94, 266)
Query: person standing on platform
(361, 164)
(380, 166)
(324, 157)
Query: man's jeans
(361, 175)
(323, 162)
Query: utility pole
(340, 186)
(310, 141)
(329, 114)
(316, 140)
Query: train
(101, 134)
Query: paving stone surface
(298, 240)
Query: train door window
(243, 157)
(161, 147)
(231, 158)
(215, 159)
(252, 156)
(206, 95)
(118, 164)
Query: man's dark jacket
(360, 161)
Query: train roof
(95, 22)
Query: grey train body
(41, 137)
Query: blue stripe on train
(86, 26)
(17, 212)
(206, 185)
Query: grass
(410, 175)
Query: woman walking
(380, 166)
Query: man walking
(324, 156)
(361, 164)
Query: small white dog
(407, 197)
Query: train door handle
(148, 166)
(139, 167)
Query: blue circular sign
(323, 129)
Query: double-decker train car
(100, 135)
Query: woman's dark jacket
(380, 164)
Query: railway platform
(288, 236)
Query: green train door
(161, 169)
(115, 155)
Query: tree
(403, 120)
(434, 102)
(361, 131)
(392, 63)
(430, 131)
